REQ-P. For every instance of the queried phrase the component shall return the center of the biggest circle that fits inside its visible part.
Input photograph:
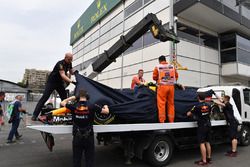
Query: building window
(243, 50)
(188, 33)
(228, 48)
(243, 43)
(197, 36)
(228, 56)
(133, 7)
(246, 96)
(245, 12)
(235, 48)
(243, 56)
(228, 41)
(208, 40)
(231, 4)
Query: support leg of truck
(49, 140)
(128, 144)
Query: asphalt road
(31, 151)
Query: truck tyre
(160, 151)
(244, 136)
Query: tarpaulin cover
(134, 108)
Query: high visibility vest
(166, 74)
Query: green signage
(92, 15)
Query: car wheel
(103, 119)
(99, 118)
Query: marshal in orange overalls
(166, 75)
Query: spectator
(15, 119)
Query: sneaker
(231, 154)
(10, 141)
(209, 160)
(200, 162)
(19, 137)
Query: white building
(214, 35)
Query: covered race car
(128, 107)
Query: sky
(35, 34)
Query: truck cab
(240, 99)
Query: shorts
(233, 131)
(203, 134)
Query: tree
(22, 84)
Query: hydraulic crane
(149, 22)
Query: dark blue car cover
(134, 108)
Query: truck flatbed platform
(67, 129)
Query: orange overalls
(166, 75)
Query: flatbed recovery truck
(154, 141)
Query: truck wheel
(160, 151)
(244, 136)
